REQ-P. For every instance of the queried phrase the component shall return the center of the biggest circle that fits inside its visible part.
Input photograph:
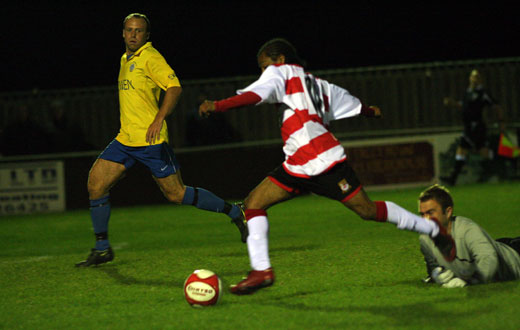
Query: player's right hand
(441, 275)
(206, 108)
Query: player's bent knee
(254, 202)
(172, 188)
(366, 216)
(174, 195)
(248, 204)
(361, 204)
(251, 204)
(363, 213)
(96, 189)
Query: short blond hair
(139, 15)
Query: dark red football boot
(256, 279)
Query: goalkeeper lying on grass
(479, 258)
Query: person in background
(24, 136)
(474, 137)
(66, 135)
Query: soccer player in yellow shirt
(143, 138)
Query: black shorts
(474, 136)
(339, 183)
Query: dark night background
(79, 44)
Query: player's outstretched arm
(237, 101)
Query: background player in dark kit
(474, 137)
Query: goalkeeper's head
(439, 194)
(436, 202)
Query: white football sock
(406, 220)
(258, 242)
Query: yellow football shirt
(141, 78)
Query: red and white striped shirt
(309, 105)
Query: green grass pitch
(333, 269)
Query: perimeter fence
(410, 96)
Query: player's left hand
(455, 283)
(377, 111)
(154, 131)
(206, 108)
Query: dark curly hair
(280, 46)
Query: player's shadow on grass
(489, 290)
(473, 291)
(114, 273)
(405, 315)
(294, 248)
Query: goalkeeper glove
(441, 275)
(455, 283)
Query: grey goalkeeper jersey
(480, 259)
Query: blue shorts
(159, 158)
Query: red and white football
(202, 288)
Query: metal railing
(411, 97)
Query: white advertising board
(32, 187)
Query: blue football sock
(102, 242)
(189, 196)
(206, 200)
(100, 214)
(235, 212)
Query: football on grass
(202, 288)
